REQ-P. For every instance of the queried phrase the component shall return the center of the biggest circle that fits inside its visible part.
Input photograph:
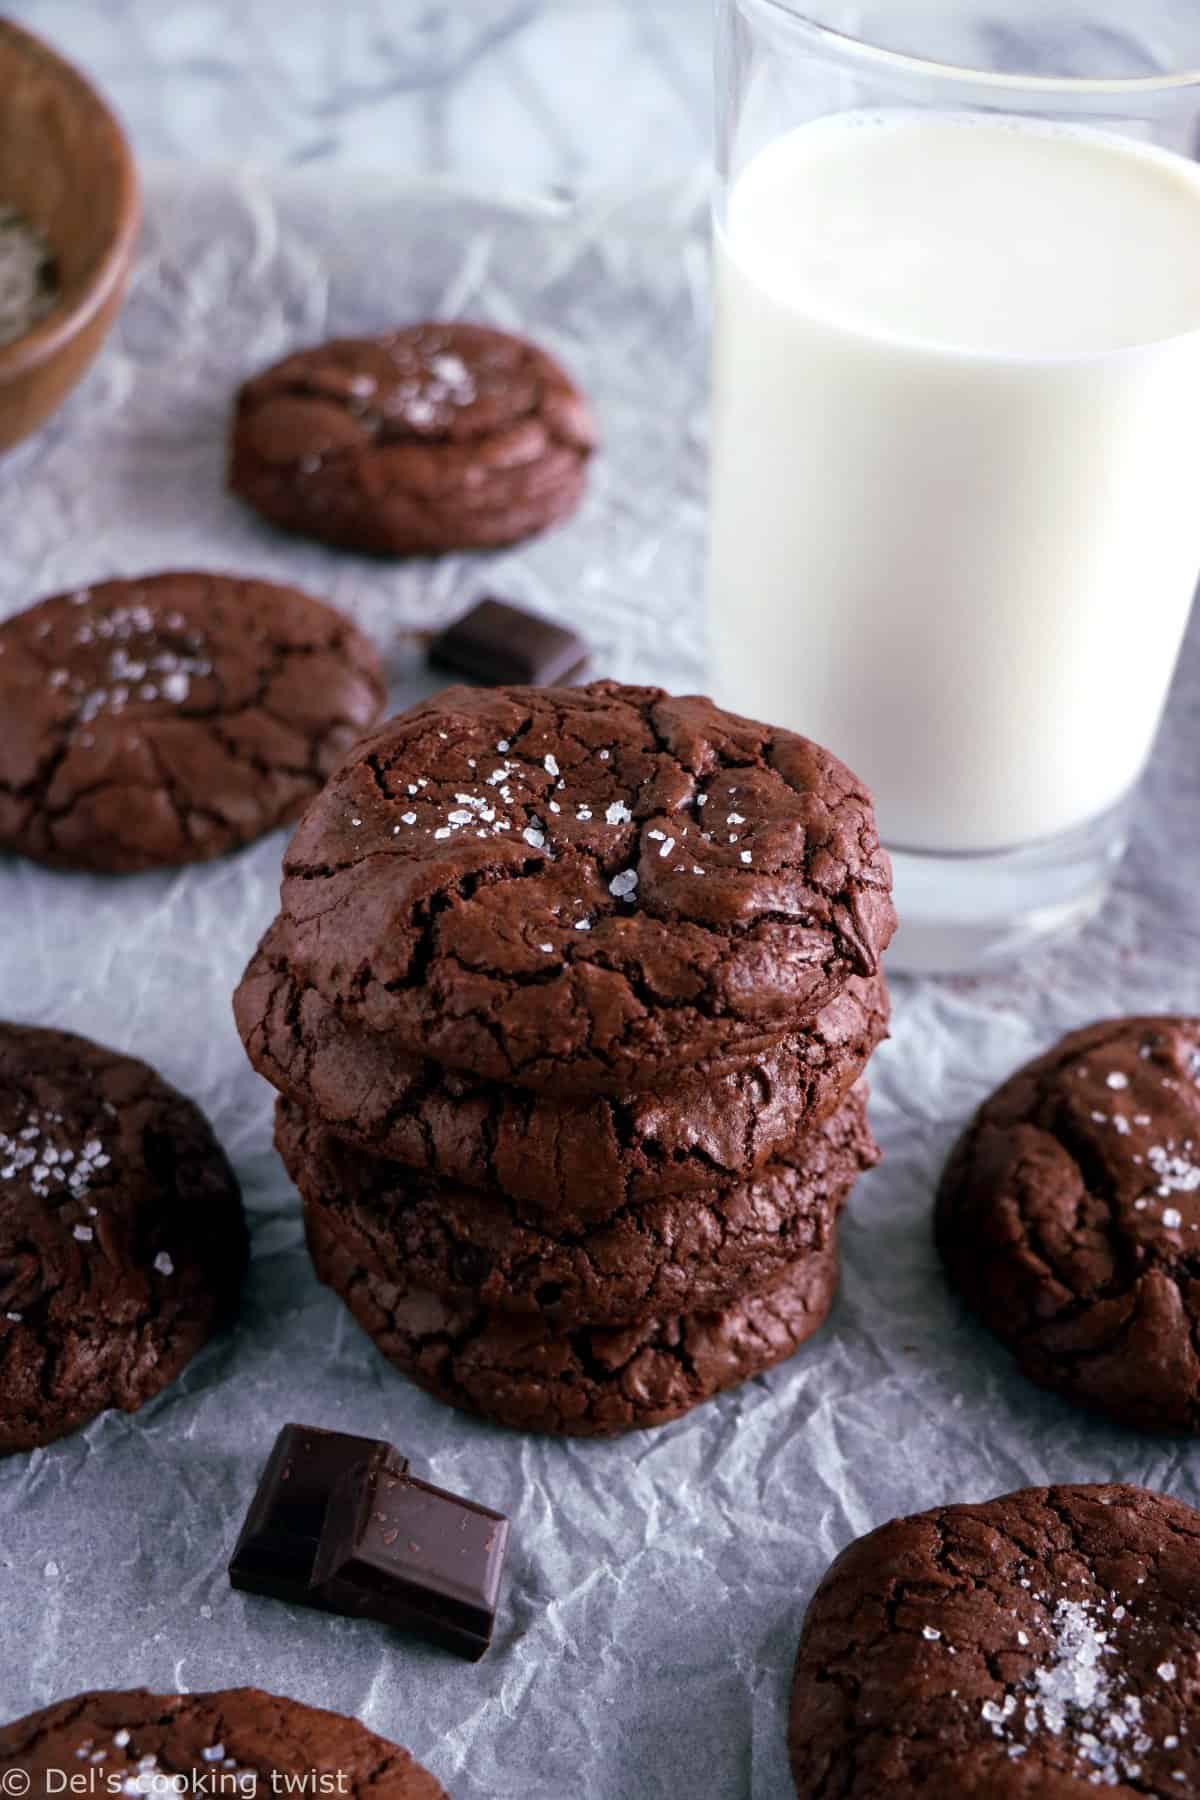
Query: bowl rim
(63, 322)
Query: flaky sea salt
(27, 286)
(1176, 1172)
(138, 652)
(1081, 1699)
(48, 1164)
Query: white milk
(956, 464)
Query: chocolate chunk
(400, 1551)
(497, 643)
(278, 1543)
(337, 1523)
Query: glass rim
(905, 62)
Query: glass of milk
(956, 427)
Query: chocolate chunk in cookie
(122, 1244)
(145, 1743)
(582, 890)
(436, 437)
(166, 720)
(1035, 1647)
(686, 1253)
(1069, 1219)
(568, 1160)
(584, 1383)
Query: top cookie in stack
(522, 924)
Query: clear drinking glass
(955, 477)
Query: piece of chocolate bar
(400, 1551)
(497, 643)
(278, 1544)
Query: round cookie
(572, 1160)
(169, 719)
(436, 437)
(680, 1254)
(122, 1243)
(1041, 1646)
(581, 890)
(1069, 1219)
(584, 1383)
(136, 1742)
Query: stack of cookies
(567, 1003)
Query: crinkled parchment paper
(656, 1584)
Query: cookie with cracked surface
(681, 1254)
(1069, 1219)
(590, 1382)
(122, 1242)
(435, 437)
(581, 890)
(166, 720)
(130, 1741)
(1038, 1646)
(571, 1160)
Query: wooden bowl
(65, 164)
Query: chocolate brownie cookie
(136, 1742)
(122, 1244)
(583, 1383)
(166, 720)
(581, 890)
(681, 1254)
(1069, 1219)
(1035, 1647)
(570, 1160)
(437, 437)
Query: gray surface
(657, 1583)
(532, 96)
(528, 96)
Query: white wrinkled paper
(656, 1584)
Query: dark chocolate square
(411, 1555)
(278, 1543)
(499, 645)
